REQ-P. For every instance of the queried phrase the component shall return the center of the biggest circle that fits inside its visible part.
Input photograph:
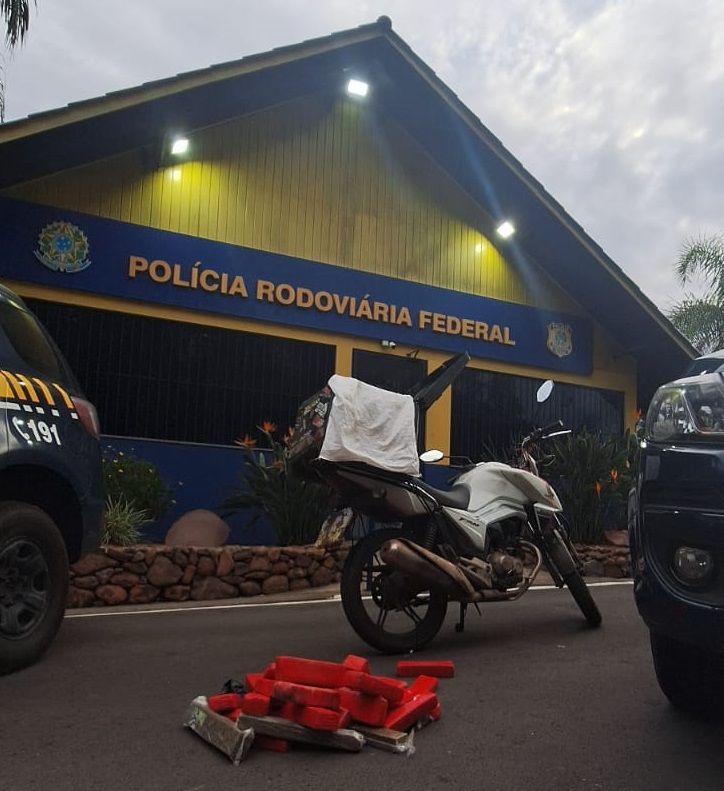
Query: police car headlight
(693, 566)
(687, 411)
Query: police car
(51, 486)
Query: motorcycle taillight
(88, 416)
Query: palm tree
(16, 15)
(701, 319)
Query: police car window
(24, 335)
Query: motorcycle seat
(457, 497)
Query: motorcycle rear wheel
(363, 599)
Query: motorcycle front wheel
(566, 566)
(380, 605)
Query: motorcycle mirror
(544, 391)
(431, 456)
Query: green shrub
(295, 507)
(136, 482)
(122, 523)
(592, 476)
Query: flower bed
(144, 574)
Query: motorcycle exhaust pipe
(426, 567)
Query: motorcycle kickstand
(460, 625)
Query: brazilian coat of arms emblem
(63, 247)
(560, 339)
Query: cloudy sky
(616, 106)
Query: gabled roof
(406, 89)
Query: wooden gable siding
(329, 183)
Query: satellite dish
(431, 456)
(544, 391)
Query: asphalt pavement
(538, 702)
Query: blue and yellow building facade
(305, 231)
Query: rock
(135, 567)
(225, 564)
(112, 594)
(120, 553)
(193, 557)
(275, 584)
(142, 594)
(104, 575)
(297, 574)
(198, 528)
(329, 562)
(188, 576)
(313, 566)
(177, 593)
(256, 575)
(279, 568)
(322, 576)
(249, 589)
(149, 555)
(261, 551)
(180, 558)
(125, 579)
(242, 555)
(260, 563)
(87, 583)
(593, 568)
(618, 538)
(90, 564)
(274, 554)
(139, 557)
(213, 588)
(303, 561)
(164, 573)
(206, 566)
(240, 569)
(78, 597)
(297, 585)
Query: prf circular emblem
(560, 339)
(63, 247)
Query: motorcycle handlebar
(538, 433)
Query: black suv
(51, 486)
(676, 521)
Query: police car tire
(22, 521)
(691, 677)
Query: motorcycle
(483, 540)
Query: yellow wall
(328, 183)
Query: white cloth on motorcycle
(371, 425)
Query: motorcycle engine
(507, 569)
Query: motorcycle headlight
(684, 410)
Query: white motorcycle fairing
(497, 492)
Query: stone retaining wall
(605, 561)
(144, 574)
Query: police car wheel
(691, 677)
(33, 584)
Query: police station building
(209, 248)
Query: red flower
(614, 476)
(246, 442)
(268, 427)
(597, 486)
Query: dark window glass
(492, 411)
(31, 344)
(168, 380)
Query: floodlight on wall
(357, 88)
(179, 146)
(506, 229)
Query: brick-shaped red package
(223, 703)
(255, 682)
(306, 695)
(312, 672)
(408, 714)
(442, 669)
(321, 719)
(255, 705)
(423, 684)
(271, 744)
(358, 663)
(390, 688)
(367, 709)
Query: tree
(701, 319)
(16, 16)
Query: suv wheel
(33, 583)
(691, 677)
